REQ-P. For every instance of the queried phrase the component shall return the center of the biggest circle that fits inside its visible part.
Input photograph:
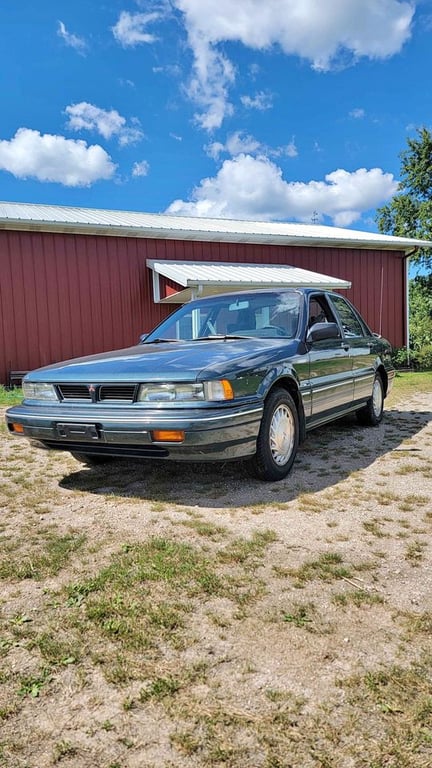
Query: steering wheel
(278, 328)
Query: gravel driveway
(300, 598)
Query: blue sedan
(232, 376)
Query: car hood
(178, 361)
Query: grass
(150, 625)
(160, 689)
(400, 702)
(414, 552)
(148, 592)
(32, 685)
(306, 616)
(248, 551)
(327, 567)
(374, 527)
(45, 557)
(358, 597)
(10, 397)
(204, 528)
(409, 383)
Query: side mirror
(323, 331)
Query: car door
(330, 366)
(361, 347)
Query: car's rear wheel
(91, 460)
(278, 437)
(371, 414)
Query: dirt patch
(170, 615)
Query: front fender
(285, 376)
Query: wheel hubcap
(282, 433)
(377, 398)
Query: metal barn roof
(54, 218)
(203, 278)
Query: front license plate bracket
(88, 432)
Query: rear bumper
(212, 434)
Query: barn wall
(64, 295)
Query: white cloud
(290, 150)
(253, 188)
(213, 73)
(54, 158)
(88, 117)
(235, 144)
(261, 101)
(357, 113)
(125, 82)
(322, 33)
(130, 28)
(78, 43)
(172, 70)
(141, 169)
(240, 143)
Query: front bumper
(211, 434)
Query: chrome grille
(74, 392)
(101, 392)
(124, 392)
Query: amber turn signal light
(168, 435)
(17, 428)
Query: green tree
(409, 213)
(420, 294)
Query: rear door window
(352, 326)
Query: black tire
(278, 438)
(91, 460)
(371, 414)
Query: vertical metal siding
(67, 295)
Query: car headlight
(35, 391)
(187, 392)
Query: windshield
(263, 314)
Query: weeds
(374, 527)
(160, 689)
(399, 700)
(188, 647)
(63, 749)
(34, 564)
(33, 684)
(328, 567)
(414, 552)
(245, 550)
(358, 597)
(302, 616)
(10, 397)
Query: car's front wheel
(371, 414)
(91, 460)
(278, 437)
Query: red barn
(74, 281)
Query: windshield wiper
(220, 337)
(161, 341)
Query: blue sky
(290, 110)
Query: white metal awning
(201, 278)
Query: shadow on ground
(328, 456)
